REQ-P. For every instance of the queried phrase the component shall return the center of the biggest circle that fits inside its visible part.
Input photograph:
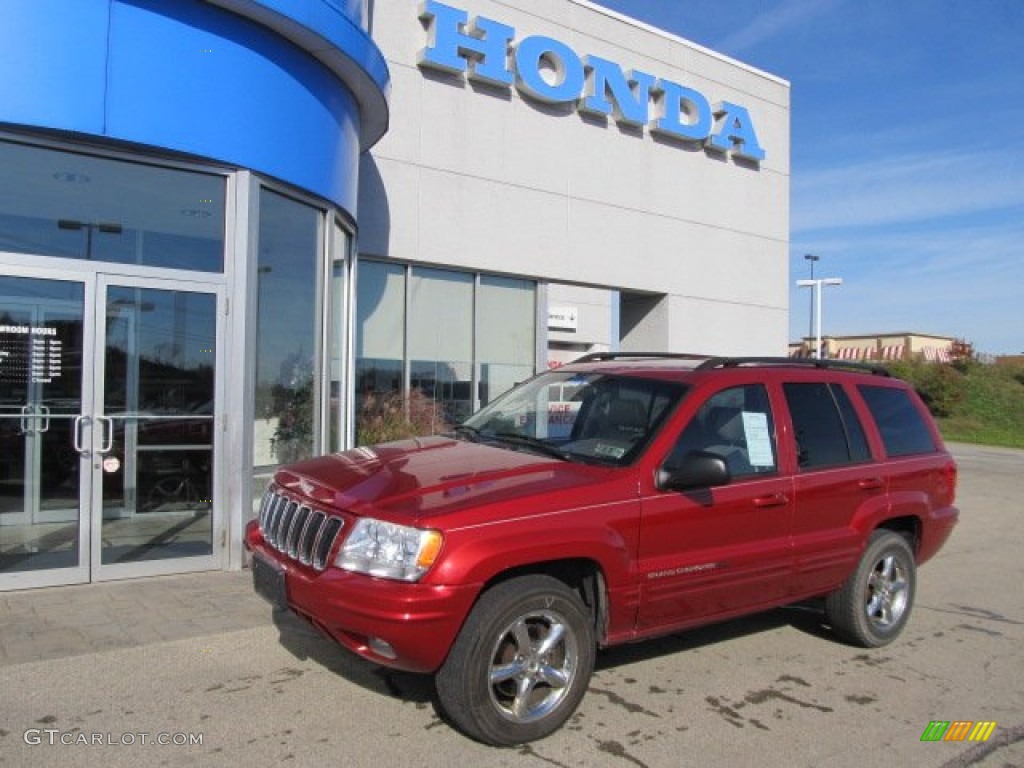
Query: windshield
(588, 417)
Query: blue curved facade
(294, 89)
(178, 216)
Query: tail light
(947, 487)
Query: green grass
(973, 403)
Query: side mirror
(698, 469)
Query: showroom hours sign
(30, 354)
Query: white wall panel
(490, 180)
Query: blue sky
(907, 132)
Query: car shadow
(807, 617)
(305, 642)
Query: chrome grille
(297, 530)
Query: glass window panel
(825, 425)
(735, 424)
(76, 206)
(380, 351)
(159, 382)
(441, 321)
(160, 351)
(903, 427)
(441, 340)
(336, 333)
(859, 450)
(286, 329)
(506, 334)
(41, 346)
(380, 312)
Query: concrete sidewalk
(55, 622)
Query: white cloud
(776, 21)
(905, 188)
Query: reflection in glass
(337, 322)
(506, 334)
(380, 344)
(40, 396)
(56, 203)
(286, 331)
(159, 394)
(441, 340)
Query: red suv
(614, 499)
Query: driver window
(735, 424)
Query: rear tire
(873, 606)
(521, 663)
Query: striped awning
(937, 354)
(854, 353)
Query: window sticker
(613, 451)
(759, 441)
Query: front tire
(521, 663)
(873, 606)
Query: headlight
(388, 550)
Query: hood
(413, 479)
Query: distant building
(876, 347)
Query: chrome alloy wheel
(532, 666)
(888, 591)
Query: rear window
(902, 426)
(827, 431)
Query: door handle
(26, 414)
(44, 413)
(76, 432)
(107, 440)
(870, 484)
(772, 500)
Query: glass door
(109, 414)
(155, 429)
(43, 379)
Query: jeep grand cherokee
(614, 499)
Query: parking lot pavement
(102, 674)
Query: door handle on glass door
(76, 433)
(107, 440)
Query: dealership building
(228, 225)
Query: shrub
(941, 386)
(383, 417)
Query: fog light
(382, 648)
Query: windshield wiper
(464, 430)
(531, 442)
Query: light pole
(810, 316)
(816, 286)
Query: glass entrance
(154, 425)
(108, 409)
(41, 388)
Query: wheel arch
(582, 575)
(908, 526)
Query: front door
(717, 552)
(109, 400)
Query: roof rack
(709, 363)
(595, 357)
(807, 362)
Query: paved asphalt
(101, 674)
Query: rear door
(836, 479)
(719, 551)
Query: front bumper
(392, 623)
